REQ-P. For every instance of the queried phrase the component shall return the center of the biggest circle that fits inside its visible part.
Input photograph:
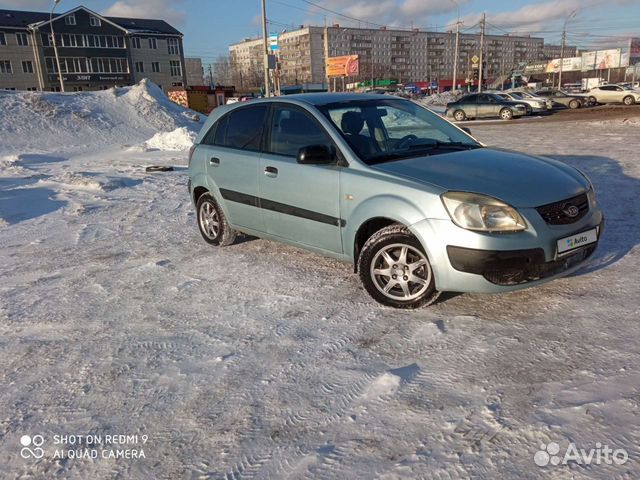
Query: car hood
(515, 178)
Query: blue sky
(210, 25)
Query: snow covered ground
(265, 361)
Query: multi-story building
(95, 52)
(404, 55)
(551, 52)
(194, 71)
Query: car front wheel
(629, 100)
(212, 222)
(573, 104)
(395, 270)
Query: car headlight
(473, 211)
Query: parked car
(562, 99)
(525, 94)
(537, 105)
(485, 105)
(614, 94)
(417, 204)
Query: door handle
(271, 171)
(215, 161)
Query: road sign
(475, 59)
(273, 42)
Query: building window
(27, 66)
(70, 19)
(109, 65)
(155, 67)
(3, 40)
(94, 21)
(22, 39)
(5, 66)
(32, 89)
(172, 44)
(139, 67)
(135, 42)
(176, 68)
(46, 40)
(152, 43)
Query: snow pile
(441, 99)
(73, 122)
(178, 139)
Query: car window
(292, 129)
(486, 99)
(242, 128)
(469, 99)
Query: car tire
(506, 114)
(593, 101)
(395, 270)
(629, 100)
(212, 222)
(459, 116)
(573, 104)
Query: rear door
(299, 202)
(233, 160)
(470, 105)
(487, 106)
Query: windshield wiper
(436, 144)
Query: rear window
(242, 129)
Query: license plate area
(577, 240)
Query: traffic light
(475, 74)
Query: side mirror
(317, 155)
(466, 129)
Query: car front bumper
(478, 262)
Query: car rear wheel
(629, 100)
(506, 114)
(459, 115)
(212, 222)
(573, 104)
(395, 270)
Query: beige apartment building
(385, 53)
(95, 52)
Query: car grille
(556, 213)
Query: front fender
(392, 207)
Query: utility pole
(564, 41)
(55, 45)
(455, 55)
(267, 90)
(210, 76)
(480, 73)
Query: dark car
(562, 99)
(485, 105)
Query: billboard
(634, 50)
(571, 64)
(601, 60)
(344, 66)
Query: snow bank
(441, 99)
(78, 121)
(178, 139)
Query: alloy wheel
(400, 272)
(209, 220)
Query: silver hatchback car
(416, 203)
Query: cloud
(27, 4)
(168, 10)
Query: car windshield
(385, 129)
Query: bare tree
(221, 71)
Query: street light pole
(455, 55)
(564, 41)
(55, 45)
(267, 90)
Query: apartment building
(551, 52)
(403, 55)
(95, 52)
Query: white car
(533, 97)
(536, 104)
(614, 94)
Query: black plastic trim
(266, 204)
